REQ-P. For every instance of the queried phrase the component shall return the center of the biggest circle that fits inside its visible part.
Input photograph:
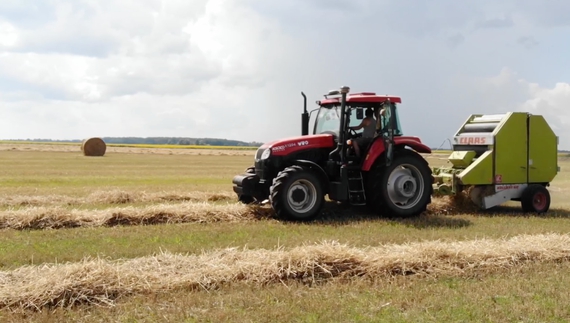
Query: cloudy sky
(71, 69)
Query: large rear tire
(296, 194)
(402, 189)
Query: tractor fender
(318, 170)
(377, 149)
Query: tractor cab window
(384, 120)
(385, 115)
(328, 119)
(354, 121)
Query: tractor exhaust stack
(304, 117)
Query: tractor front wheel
(296, 194)
(402, 189)
(535, 198)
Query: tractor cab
(328, 119)
(381, 114)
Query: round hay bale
(93, 147)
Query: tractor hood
(290, 145)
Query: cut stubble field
(153, 234)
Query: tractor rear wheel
(402, 189)
(296, 194)
(535, 198)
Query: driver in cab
(369, 125)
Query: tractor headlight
(266, 153)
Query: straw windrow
(99, 281)
(56, 217)
(114, 196)
(60, 217)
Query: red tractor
(295, 174)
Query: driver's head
(369, 113)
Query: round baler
(500, 158)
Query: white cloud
(553, 104)
(235, 68)
(8, 35)
(507, 92)
(181, 77)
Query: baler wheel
(535, 198)
(296, 194)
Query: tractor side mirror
(359, 114)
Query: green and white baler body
(502, 157)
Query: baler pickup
(502, 157)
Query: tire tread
(276, 192)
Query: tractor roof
(363, 97)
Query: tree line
(162, 141)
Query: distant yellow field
(18, 142)
(134, 145)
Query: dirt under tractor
(387, 172)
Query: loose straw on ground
(115, 196)
(99, 281)
(59, 217)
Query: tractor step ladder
(356, 194)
